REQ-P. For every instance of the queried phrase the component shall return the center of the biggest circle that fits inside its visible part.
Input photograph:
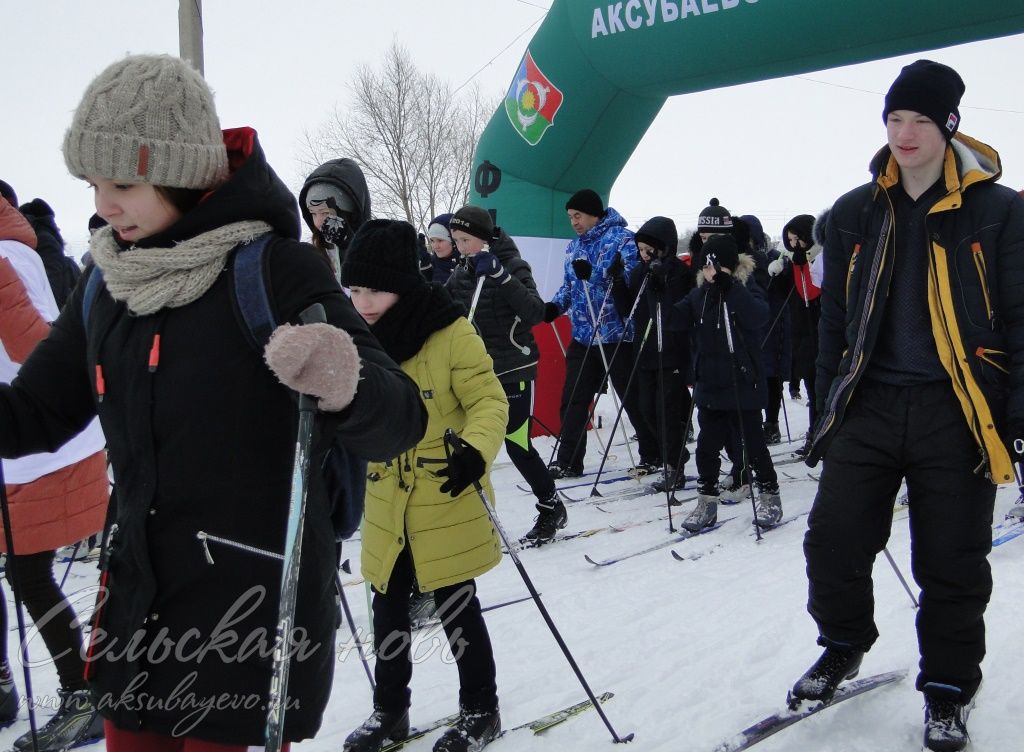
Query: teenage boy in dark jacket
(920, 379)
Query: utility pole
(190, 33)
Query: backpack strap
(248, 265)
(92, 289)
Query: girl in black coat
(201, 433)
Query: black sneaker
(421, 608)
(75, 723)
(551, 518)
(643, 468)
(822, 679)
(473, 731)
(381, 728)
(8, 696)
(557, 472)
(945, 719)
(772, 434)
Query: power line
(882, 94)
(533, 5)
(503, 50)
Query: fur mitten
(316, 359)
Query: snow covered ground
(693, 650)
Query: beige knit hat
(148, 119)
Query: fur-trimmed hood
(743, 271)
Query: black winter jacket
(718, 374)
(975, 291)
(61, 271)
(506, 313)
(202, 444)
(679, 281)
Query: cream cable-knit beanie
(148, 119)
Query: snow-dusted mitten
(316, 359)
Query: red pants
(119, 740)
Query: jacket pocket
(982, 270)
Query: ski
(785, 718)
(1006, 531)
(537, 726)
(684, 535)
(525, 544)
(603, 480)
(694, 555)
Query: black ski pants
(675, 407)
(891, 433)
(585, 371)
(459, 611)
(720, 427)
(517, 440)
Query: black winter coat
(975, 290)
(718, 374)
(679, 281)
(203, 444)
(506, 313)
(61, 271)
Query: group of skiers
(905, 296)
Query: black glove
(551, 312)
(582, 268)
(487, 265)
(616, 269)
(799, 257)
(723, 281)
(656, 272)
(464, 469)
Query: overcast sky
(775, 148)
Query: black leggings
(517, 440)
(771, 413)
(51, 613)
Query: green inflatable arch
(588, 87)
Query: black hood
(253, 192)
(345, 175)
(802, 226)
(503, 246)
(661, 229)
(40, 216)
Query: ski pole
(661, 413)
(899, 575)
(67, 569)
(277, 701)
(785, 416)
(453, 446)
(476, 298)
(5, 515)
(352, 627)
(558, 338)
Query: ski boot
(945, 718)
(769, 506)
(75, 723)
(381, 728)
(557, 471)
(643, 468)
(551, 518)
(772, 435)
(472, 732)
(821, 680)
(1016, 513)
(733, 493)
(676, 481)
(705, 514)
(8, 696)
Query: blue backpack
(344, 474)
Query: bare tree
(412, 136)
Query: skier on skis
(201, 432)
(920, 379)
(423, 516)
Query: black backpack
(344, 474)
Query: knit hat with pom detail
(714, 218)
(148, 119)
(383, 256)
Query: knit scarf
(148, 279)
(417, 314)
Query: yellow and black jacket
(975, 295)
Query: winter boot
(734, 494)
(806, 448)
(642, 468)
(473, 731)
(705, 514)
(381, 728)
(551, 518)
(945, 718)
(557, 471)
(768, 513)
(422, 608)
(676, 481)
(820, 681)
(8, 696)
(76, 722)
(772, 435)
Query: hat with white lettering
(714, 218)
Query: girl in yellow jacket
(423, 516)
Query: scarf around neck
(413, 318)
(149, 279)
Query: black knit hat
(722, 250)
(383, 256)
(931, 88)
(714, 218)
(586, 201)
(474, 221)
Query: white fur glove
(775, 268)
(316, 359)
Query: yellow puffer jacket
(452, 540)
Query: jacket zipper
(979, 264)
(97, 613)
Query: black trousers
(771, 413)
(718, 428)
(575, 408)
(675, 408)
(459, 611)
(517, 440)
(52, 615)
(919, 434)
